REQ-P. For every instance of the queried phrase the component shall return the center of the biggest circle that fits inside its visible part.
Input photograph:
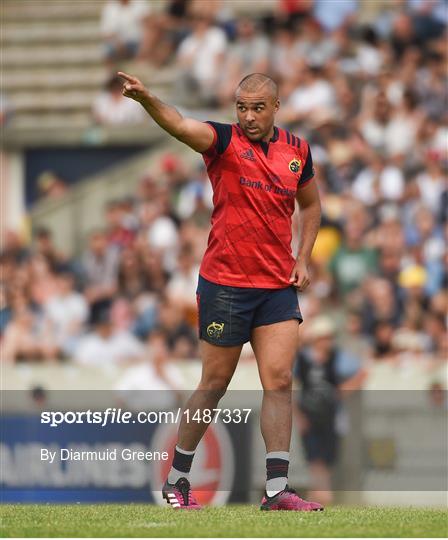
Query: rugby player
(249, 278)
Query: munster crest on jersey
(294, 165)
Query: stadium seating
(52, 63)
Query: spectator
(155, 273)
(323, 371)
(104, 347)
(353, 261)
(291, 11)
(434, 328)
(248, 54)
(313, 96)
(353, 340)
(24, 337)
(408, 344)
(118, 234)
(438, 396)
(403, 35)
(176, 177)
(159, 232)
(333, 15)
(431, 183)
(412, 279)
(404, 125)
(122, 314)
(380, 302)
(65, 314)
(199, 57)
(122, 27)
(314, 45)
(42, 280)
(180, 337)
(181, 288)
(13, 250)
(111, 108)
(51, 185)
(383, 333)
(100, 265)
(425, 237)
(39, 397)
(283, 56)
(374, 122)
(131, 279)
(156, 372)
(195, 197)
(369, 55)
(379, 182)
(44, 246)
(431, 85)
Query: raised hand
(133, 88)
(196, 134)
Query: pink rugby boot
(179, 495)
(289, 500)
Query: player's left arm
(309, 222)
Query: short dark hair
(114, 83)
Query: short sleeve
(308, 169)
(223, 134)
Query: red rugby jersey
(254, 189)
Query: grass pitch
(135, 520)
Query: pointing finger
(129, 78)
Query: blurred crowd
(365, 83)
(133, 287)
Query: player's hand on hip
(133, 88)
(300, 276)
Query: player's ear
(277, 105)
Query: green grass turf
(119, 520)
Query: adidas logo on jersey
(248, 154)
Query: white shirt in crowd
(205, 51)
(124, 20)
(110, 111)
(162, 234)
(431, 189)
(94, 350)
(310, 98)
(390, 185)
(143, 376)
(395, 137)
(183, 286)
(370, 59)
(64, 313)
(137, 380)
